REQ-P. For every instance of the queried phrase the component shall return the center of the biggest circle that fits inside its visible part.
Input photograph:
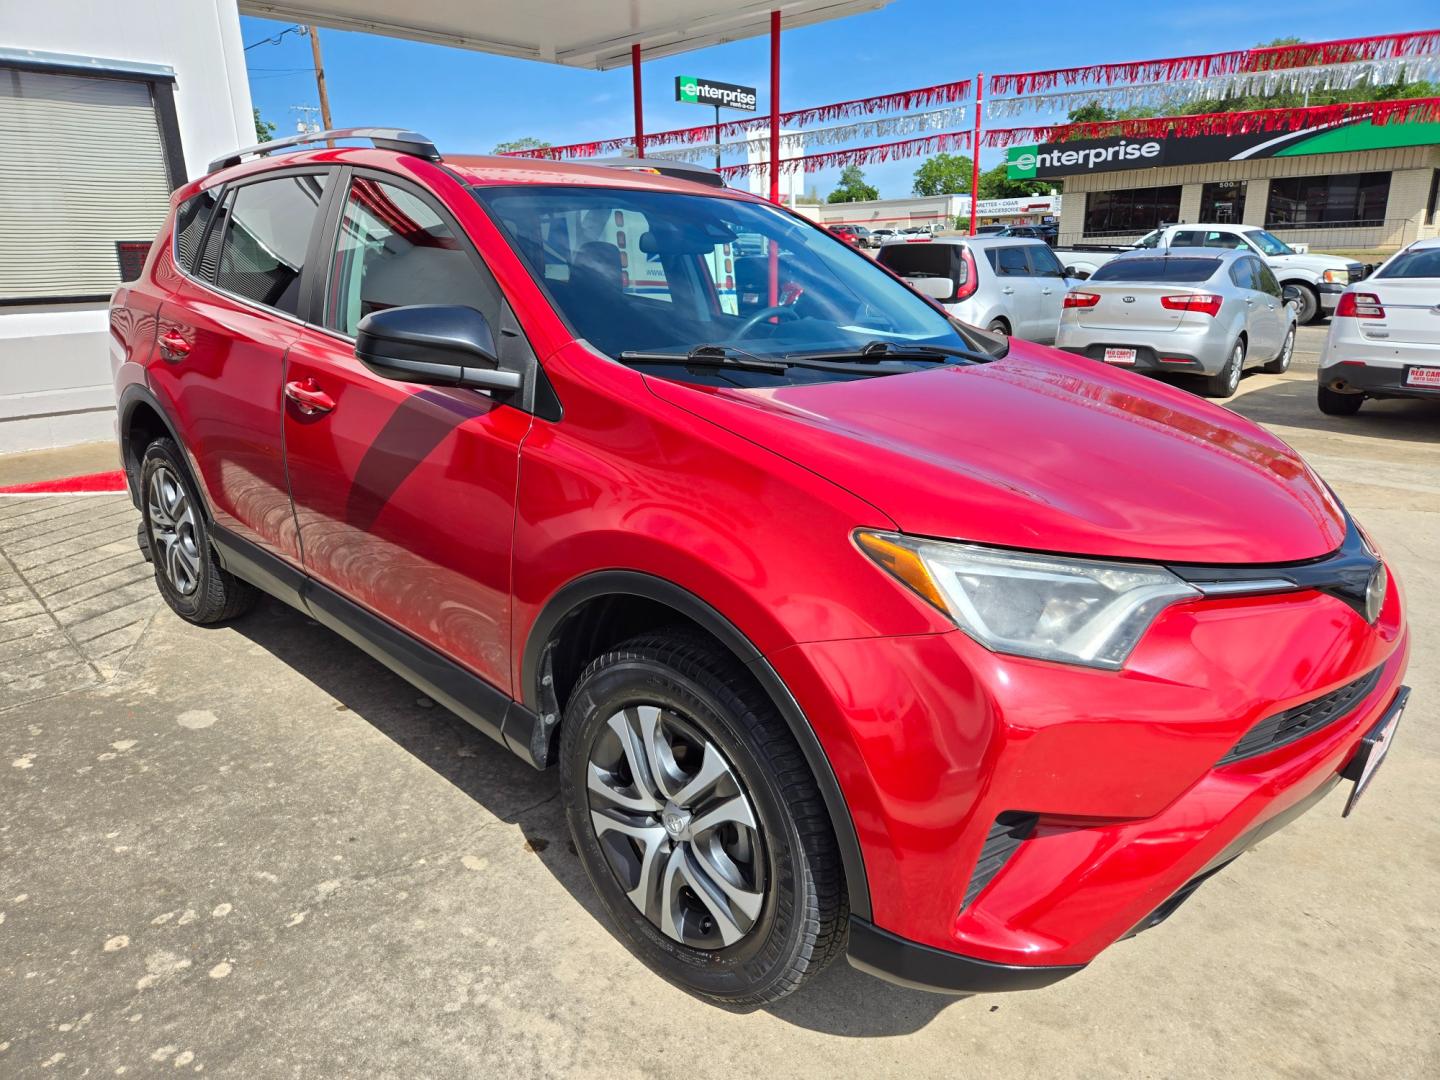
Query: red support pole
(975, 153)
(639, 108)
(774, 107)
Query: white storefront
(105, 107)
(936, 210)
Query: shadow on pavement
(1291, 403)
(840, 1001)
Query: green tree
(527, 142)
(996, 184)
(943, 174)
(264, 130)
(852, 187)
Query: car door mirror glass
(434, 345)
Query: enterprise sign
(692, 91)
(1067, 159)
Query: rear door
(405, 494)
(1049, 276)
(222, 337)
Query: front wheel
(999, 327)
(1307, 304)
(1281, 363)
(698, 821)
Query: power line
(298, 28)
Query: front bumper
(935, 740)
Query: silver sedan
(1200, 311)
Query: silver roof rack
(678, 170)
(397, 139)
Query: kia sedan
(1198, 311)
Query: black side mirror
(433, 344)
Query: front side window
(655, 271)
(265, 234)
(394, 249)
(1043, 262)
(1265, 279)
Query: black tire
(1226, 381)
(695, 684)
(196, 587)
(999, 326)
(1334, 403)
(1307, 304)
(1281, 363)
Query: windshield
(1270, 245)
(1417, 263)
(661, 272)
(1171, 271)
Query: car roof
(989, 241)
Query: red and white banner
(1401, 111)
(860, 155)
(1382, 47)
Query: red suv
(849, 628)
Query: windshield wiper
(706, 356)
(898, 350)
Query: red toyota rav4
(849, 627)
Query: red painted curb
(91, 482)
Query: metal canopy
(579, 33)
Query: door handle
(307, 395)
(174, 345)
(1249, 302)
(1008, 291)
(1047, 292)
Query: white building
(938, 210)
(105, 107)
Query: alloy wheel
(676, 827)
(176, 547)
(1232, 373)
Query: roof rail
(397, 139)
(678, 170)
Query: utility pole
(314, 32)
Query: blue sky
(469, 101)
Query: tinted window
(1132, 210)
(1265, 279)
(393, 250)
(1320, 201)
(1166, 270)
(190, 221)
(265, 235)
(1008, 261)
(1242, 274)
(1043, 262)
(1424, 263)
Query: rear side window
(266, 232)
(1163, 270)
(191, 218)
(1242, 273)
(1424, 263)
(394, 249)
(1008, 261)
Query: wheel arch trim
(608, 583)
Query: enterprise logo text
(1122, 151)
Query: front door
(1050, 281)
(404, 494)
(223, 337)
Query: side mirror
(937, 288)
(434, 345)
(1070, 271)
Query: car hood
(1044, 451)
(1316, 263)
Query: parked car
(1318, 279)
(849, 628)
(880, 236)
(1030, 232)
(1201, 311)
(1384, 338)
(856, 235)
(989, 230)
(1005, 286)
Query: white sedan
(1384, 338)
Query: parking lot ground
(253, 852)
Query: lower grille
(1286, 727)
(1011, 829)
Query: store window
(1223, 202)
(1318, 202)
(1133, 210)
(86, 170)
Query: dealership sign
(1082, 157)
(692, 91)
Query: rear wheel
(1281, 363)
(999, 326)
(1226, 381)
(1334, 403)
(698, 821)
(187, 572)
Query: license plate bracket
(1119, 356)
(1427, 378)
(1372, 749)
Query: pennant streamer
(904, 100)
(1384, 47)
(1402, 111)
(1259, 83)
(860, 155)
(908, 124)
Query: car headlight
(1076, 611)
(1336, 277)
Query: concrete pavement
(253, 852)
